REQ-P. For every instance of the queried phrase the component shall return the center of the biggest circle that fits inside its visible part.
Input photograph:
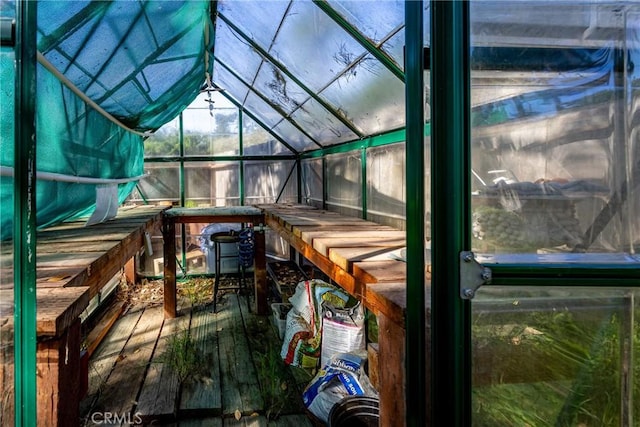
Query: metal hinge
(472, 275)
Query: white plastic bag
(342, 376)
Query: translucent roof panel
(374, 19)
(250, 16)
(279, 88)
(370, 95)
(323, 126)
(304, 66)
(258, 142)
(378, 21)
(297, 139)
(235, 53)
(313, 46)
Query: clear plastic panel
(394, 47)
(210, 130)
(344, 183)
(237, 53)
(165, 141)
(270, 182)
(278, 88)
(322, 125)
(233, 87)
(162, 185)
(373, 19)
(249, 16)
(212, 184)
(294, 136)
(370, 96)
(256, 141)
(312, 46)
(312, 177)
(262, 110)
(386, 192)
(555, 356)
(553, 157)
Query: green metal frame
(415, 358)
(451, 210)
(24, 232)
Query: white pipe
(52, 176)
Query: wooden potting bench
(232, 214)
(366, 260)
(73, 262)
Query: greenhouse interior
(294, 212)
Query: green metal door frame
(415, 340)
(24, 231)
(451, 210)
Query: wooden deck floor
(241, 381)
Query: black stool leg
(217, 277)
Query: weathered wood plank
(103, 326)
(57, 247)
(202, 422)
(157, 402)
(235, 214)
(58, 378)
(105, 358)
(366, 232)
(392, 378)
(340, 276)
(389, 298)
(58, 308)
(345, 257)
(291, 421)
(240, 388)
(202, 396)
(380, 271)
(365, 225)
(126, 378)
(250, 421)
(324, 244)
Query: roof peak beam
(280, 67)
(365, 42)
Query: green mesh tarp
(141, 62)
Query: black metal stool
(220, 239)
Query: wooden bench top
(363, 257)
(73, 262)
(216, 213)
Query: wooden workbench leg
(391, 372)
(58, 377)
(260, 273)
(169, 238)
